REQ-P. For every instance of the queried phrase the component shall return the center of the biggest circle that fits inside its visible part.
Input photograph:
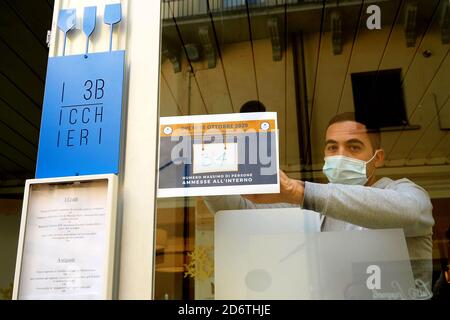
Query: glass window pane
(362, 101)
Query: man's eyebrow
(330, 141)
(354, 141)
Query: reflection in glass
(303, 60)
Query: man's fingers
(251, 197)
(259, 198)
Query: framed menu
(67, 239)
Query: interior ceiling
(23, 51)
(245, 69)
(244, 65)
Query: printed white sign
(220, 154)
(215, 157)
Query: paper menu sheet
(64, 247)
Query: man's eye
(355, 148)
(331, 148)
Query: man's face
(350, 139)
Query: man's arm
(404, 205)
(287, 198)
(236, 202)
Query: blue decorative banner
(66, 22)
(82, 115)
(112, 16)
(89, 20)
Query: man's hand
(291, 191)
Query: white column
(139, 200)
(138, 34)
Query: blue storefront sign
(82, 112)
(81, 120)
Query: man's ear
(379, 158)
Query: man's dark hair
(253, 106)
(374, 134)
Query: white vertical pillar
(139, 197)
(139, 34)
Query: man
(355, 199)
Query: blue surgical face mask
(345, 170)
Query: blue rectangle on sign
(82, 115)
